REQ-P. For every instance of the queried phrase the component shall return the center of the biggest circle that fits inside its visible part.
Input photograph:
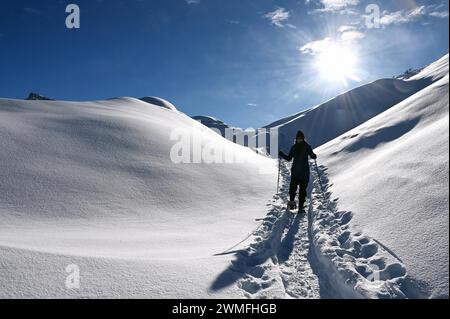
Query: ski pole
(279, 171)
(318, 176)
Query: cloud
(397, 17)
(439, 14)
(437, 11)
(317, 47)
(350, 12)
(192, 2)
(352, 35)
(408, 16)
(342, 6)
(291, 26)
(345, 28)
(252, 104)
(336, 5)
(348, 34)
(278, 17)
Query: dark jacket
(300, 168)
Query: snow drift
(93, 184)
(160, 102)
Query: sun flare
(337, 64)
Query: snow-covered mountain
(390, 176)
(96, 185)
(93, 184)
(350, 109)
(37, 97)
(378, 221)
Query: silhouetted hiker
(300, 169)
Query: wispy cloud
(408, 16)
(342, 6)
(352, 35)
(289, 25)
(192, 2)
(279, 17)
(252, 104)
(436, 11)
(345, 28)
(317, 47)
(439, 14)
(397, 17)
(336, 5)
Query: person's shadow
(269, 243)
(288, 242)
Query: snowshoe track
(316, 254)
(276, 264)
(360, 266)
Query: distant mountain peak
(408, 74)
(212, 123)
(37, 97)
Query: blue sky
(247, 62)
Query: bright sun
(337, 64)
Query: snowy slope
(350, 109)
(93, 184)
(435, 71)
(387, 201)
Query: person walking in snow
(300, 169)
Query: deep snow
(278, 262)
(378, 212)
(390, 176)
(93, 184)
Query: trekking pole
(320, 181)
(279, 171)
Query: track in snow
(358, 265)
(279, 263)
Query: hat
(300, 134)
